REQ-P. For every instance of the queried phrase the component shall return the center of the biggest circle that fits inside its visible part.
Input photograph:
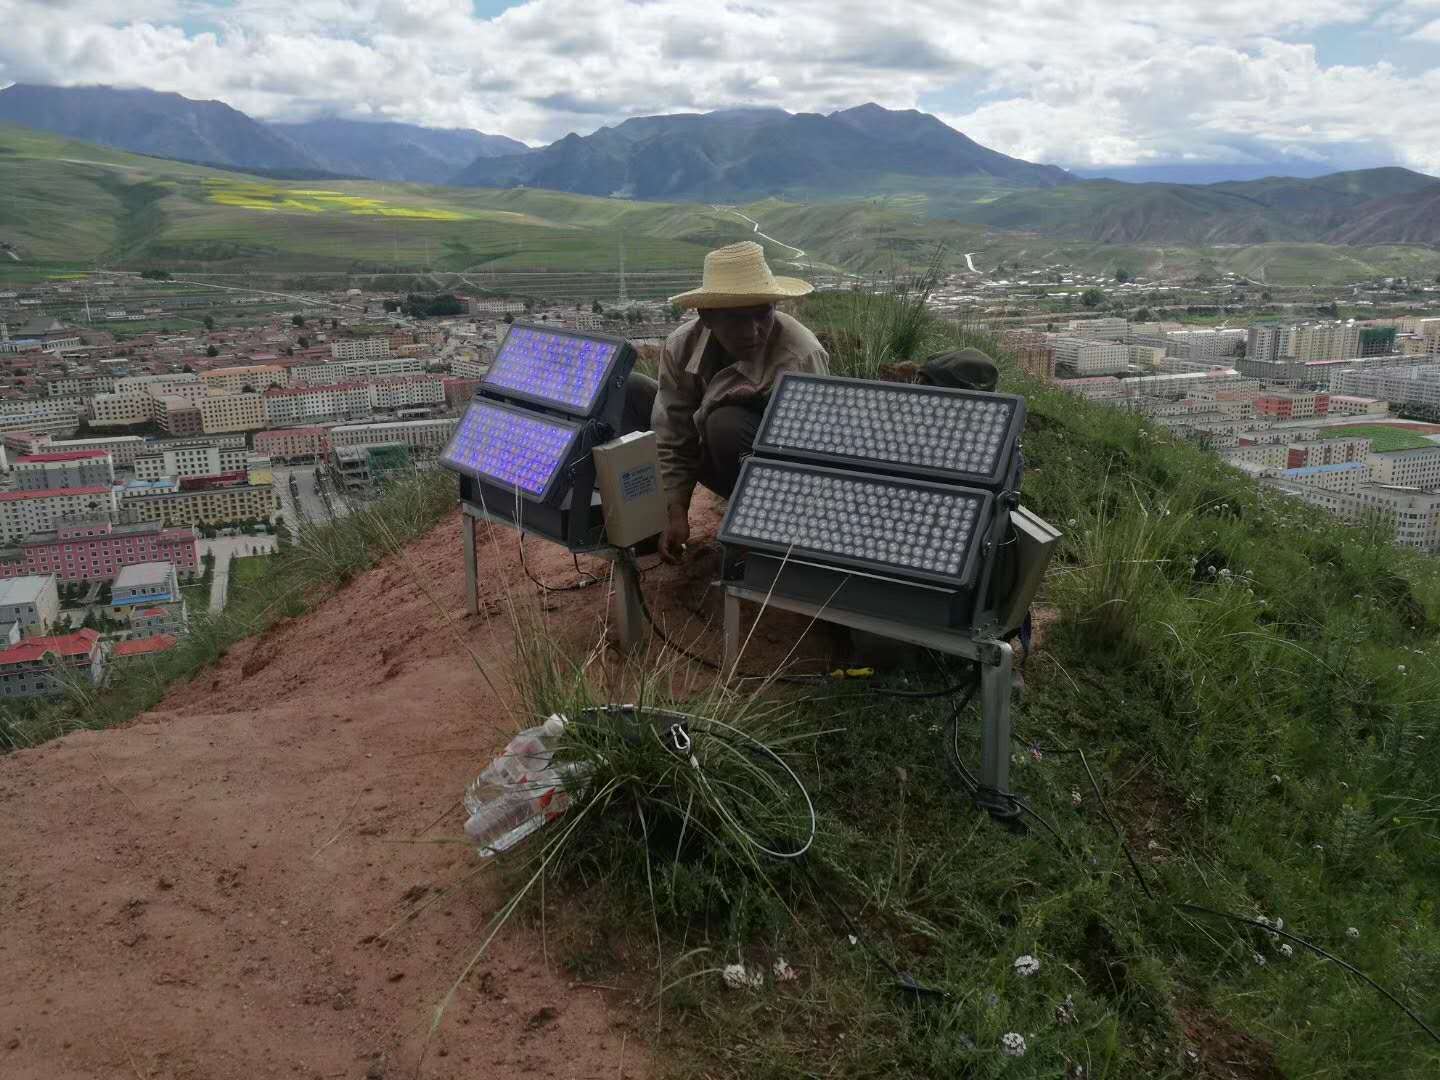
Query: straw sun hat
(739, 276)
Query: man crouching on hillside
(716, 374)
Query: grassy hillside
(74, 203)
(1254, 688)
(69, 205)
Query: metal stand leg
(732, 632)
(472, 583)
(629, 619)
(995, 685)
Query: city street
(312, 506)
(224, 548)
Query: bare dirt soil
(206, 893)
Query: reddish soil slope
(200, 894)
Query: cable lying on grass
(1200, 908)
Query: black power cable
(590, 579)
(1202, 910)
(800, 680)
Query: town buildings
(293, 443)
(203, 506)
(44, 666)
(26, 512)
(98, 549)
(32, 602)
(66, 468)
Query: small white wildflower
(1286, 951)
(853, 939)
(1279, 923)
(1400, 668)
(1262, 920)
(1065, 1011)
(783, 971)
(736, 977)
(1012, 1044)
(1075, 799)
(1225, 574)
(1072, 523)
(1318, 847)
(1352, 932)
(1026, 965)
(1259, 960)
(1275, 779)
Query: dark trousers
(727, 438)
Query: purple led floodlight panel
(928, 431)
(557, 368)
(511, 448)
(883, 524)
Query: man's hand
(677, 533)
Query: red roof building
(144, 646)
(42, 666)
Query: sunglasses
(754, 313)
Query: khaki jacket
(696, 375)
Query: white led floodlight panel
(911, 528)
(561, 369)
(925, 431)
(512, 448)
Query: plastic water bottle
(519, 791)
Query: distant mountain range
(741, 154)
(212, 133)
(1367, 206)
(744, 155)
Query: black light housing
(939, 433)
(889, 499)
(523, 449)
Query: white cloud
(1079, 82)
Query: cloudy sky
(1081, 83)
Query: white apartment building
(1323, 341)
(1272, 456)
(1091, 357)
(233, 380)
(80, 385)
(1349, 405)
(1093, 388)
(430, 435)
(1345, 478)
(233, 412)
(26, 512)
(1203, 345)
(402, 390)
(123, 448)
(1407, 468)
(1403, 384)
(122, 409)
(1413, 515)
(191, 459)
(1265, 342)
(361, 348)
(32, 601)
(66, 407)
(301, 404)
(1150, 357)
(341, 371)
(1108, 328)
(469, 365)
(182, 384)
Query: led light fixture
(917, 530)
(555, 368)
(513, 449)
(925, 431)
